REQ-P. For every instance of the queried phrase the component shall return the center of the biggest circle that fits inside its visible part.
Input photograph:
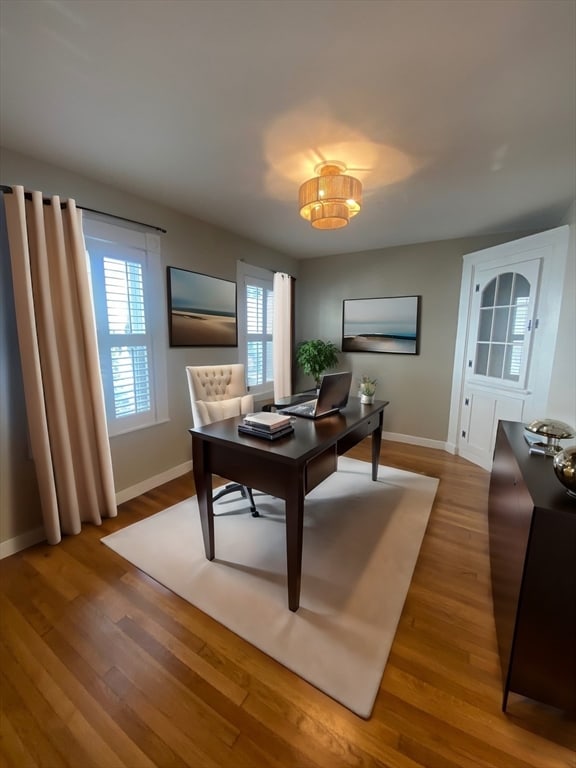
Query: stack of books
(269, 426)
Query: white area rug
(361, 543)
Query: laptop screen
(334, 391)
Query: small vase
(366, 399)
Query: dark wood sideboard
(532, 524)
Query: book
(265, 434)
(267, 421)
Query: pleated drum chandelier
(331, 199)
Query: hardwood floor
(101, 666)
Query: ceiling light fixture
(329, 200)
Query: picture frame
(202, 309)
(389, 324)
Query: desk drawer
(320, 468)
(358, 434)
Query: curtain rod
(28, 195)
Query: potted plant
(367, 389)
(315, 357)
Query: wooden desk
(288, 468)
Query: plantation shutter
(125, 270)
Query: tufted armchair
(219, 392)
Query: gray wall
(417, 386)
(136, 456)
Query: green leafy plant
(367, 386)
(316, 356)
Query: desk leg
(376, 443)
(203, 482)
(294, 525)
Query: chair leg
(230, 488)
(247, 492)
(244, 491)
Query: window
(255, 326)
(500, 344)
(126, 278)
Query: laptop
(332, 396)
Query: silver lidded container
(553, 431)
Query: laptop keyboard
(302, 409)
(307, 408)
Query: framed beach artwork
(201, 310)
(390, 324)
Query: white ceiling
(457, 115)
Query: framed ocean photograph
(390, 324)
(201, 310)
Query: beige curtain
(61, 372)
(283, 339)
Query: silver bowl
(564, 464)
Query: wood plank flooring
(101, 667)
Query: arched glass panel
(504, 289)
(521, 288)
(502, 327)
(488, 294)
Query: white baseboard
(28, 539)
(23, 541)
(153, 482)
(425, 442)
